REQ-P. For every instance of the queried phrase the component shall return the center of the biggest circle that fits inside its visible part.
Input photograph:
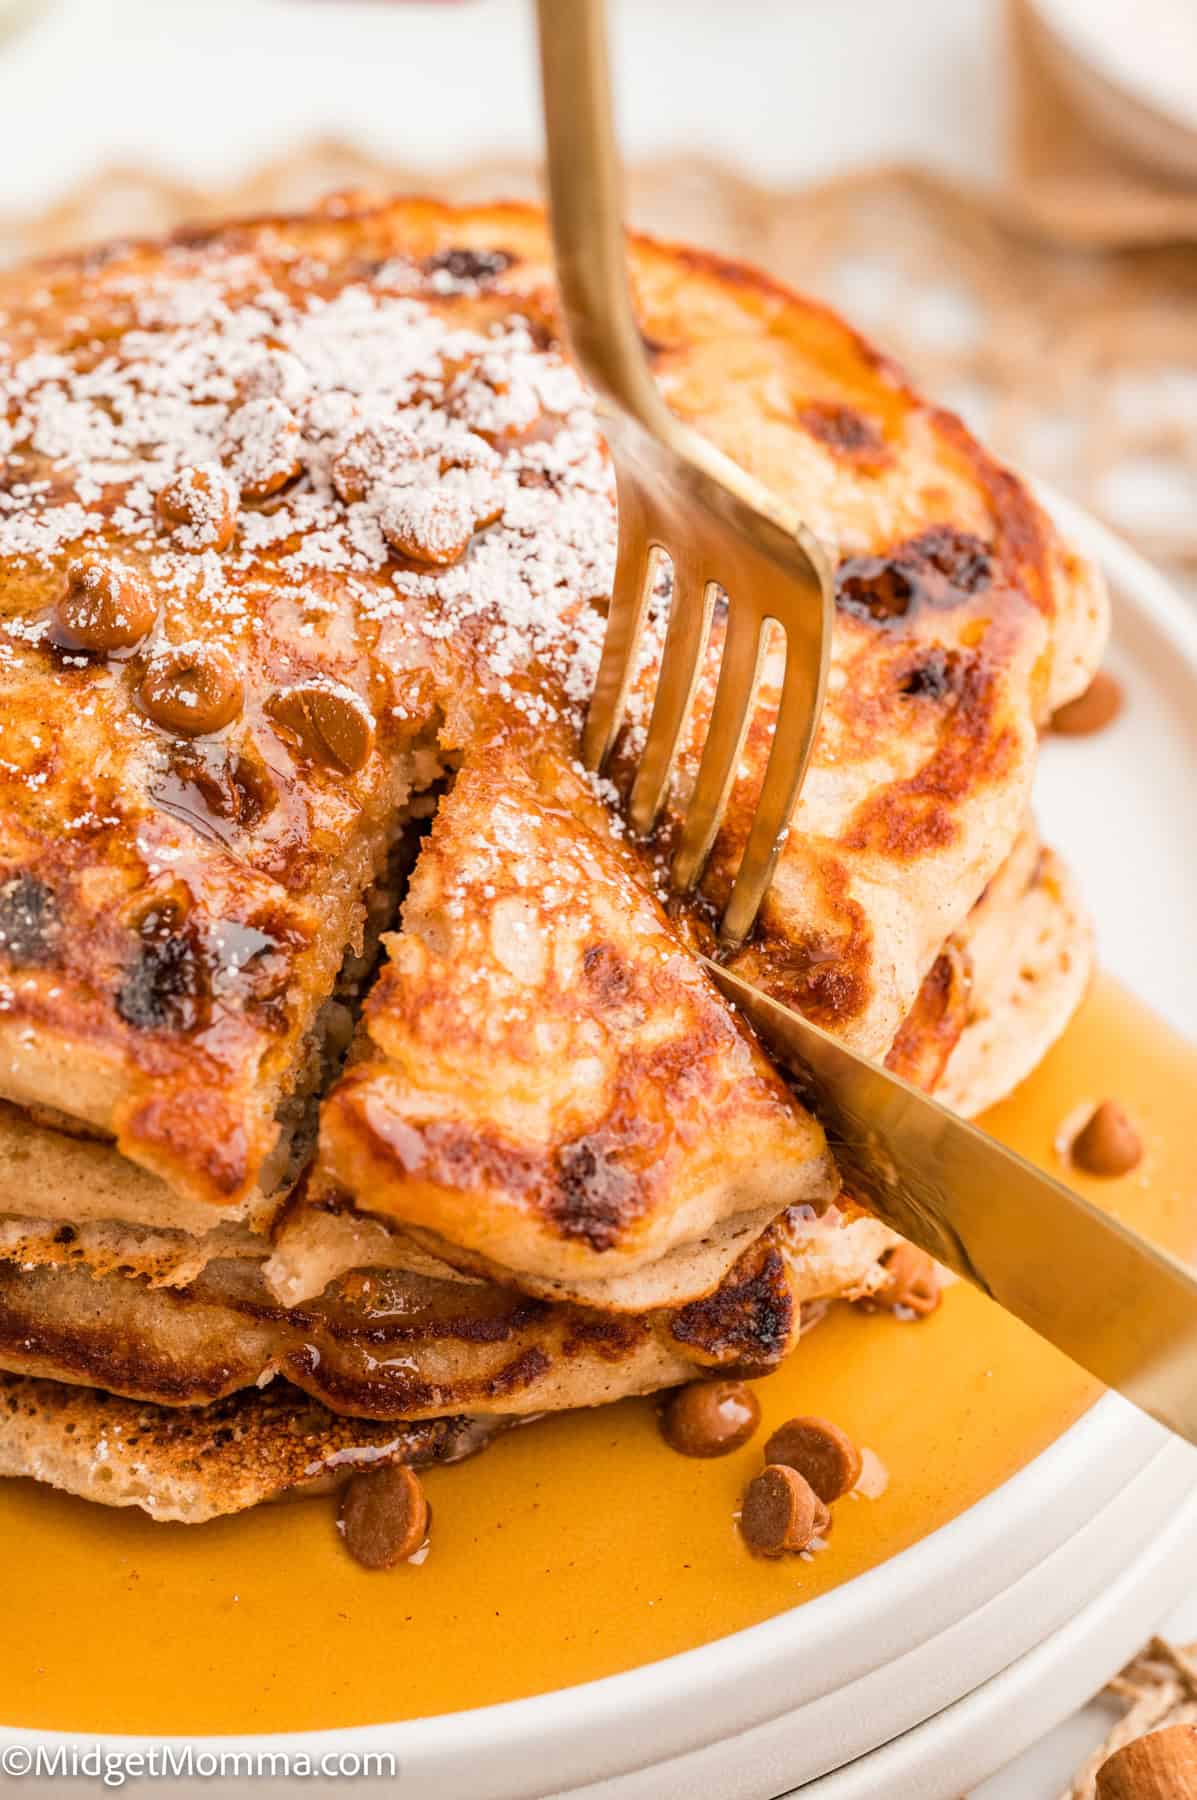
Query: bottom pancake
(190, 1464)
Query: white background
(786, 90)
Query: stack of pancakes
(360, 1085)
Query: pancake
(959, 615)
(964, 1040)
(550, 1090)
(163, 1258)
(173, 908)
(192, 1464)
(348, 531)
(527, 1356)
(1033, 960)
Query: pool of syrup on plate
(579, 1546)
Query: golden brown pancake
(1031, 953)
(174, 908)
(527, 1357)
(982, 1019)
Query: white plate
(1036, 1593)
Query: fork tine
(725, 735)
(681, 660)
(793, 740)
(636, 562)
(672, 485)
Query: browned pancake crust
(391, 1344)
(933, 1026)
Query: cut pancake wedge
(551, 1090)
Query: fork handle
(586, 207)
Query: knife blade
(1120, 1306)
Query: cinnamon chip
(193, 689)
(376, 453)
(198, 506)
(102, 607)
(911, 1281)
(1091, 711)
(405, 452)
(435, 522)
(493, 399)
(1108, 1143)
(819, 1451)
(383, 1516)
(710, 1418)
(781, 1512)
(428, 524)
(331, 723)
(262, 447)
(280, 375)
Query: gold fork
(678, 498)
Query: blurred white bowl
(1131, 70)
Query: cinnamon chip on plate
(1091, 711)
(1108, 1143)
(383, 1516)
(781, 1512)
(823, 1454)
(710, 1418)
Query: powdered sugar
(448, 475)
(29, 532)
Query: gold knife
(1115, 1303)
